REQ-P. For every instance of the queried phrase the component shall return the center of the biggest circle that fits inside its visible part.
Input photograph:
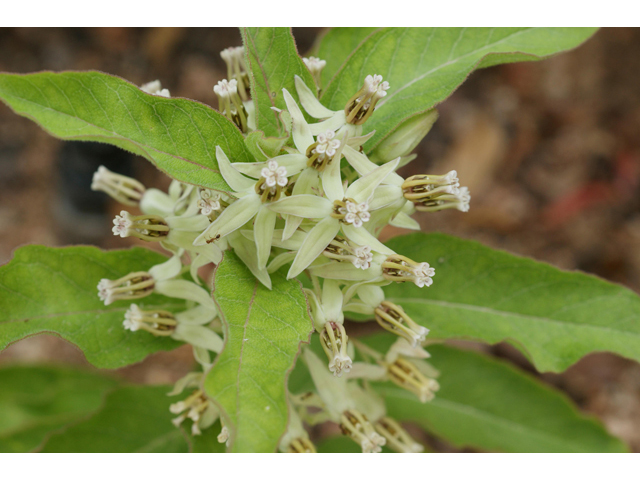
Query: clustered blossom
(314, 208)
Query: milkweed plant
(282, 192)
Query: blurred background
(549, 150)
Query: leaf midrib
(502, 313)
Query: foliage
(261, 190)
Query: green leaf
(54, 290)
(425, 65)
(263, 331)
(273, 59)
(133, 419)
(36, 401)
(555, 317)
(336, 45)
(179, 136)
(488, 404)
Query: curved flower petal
(186, 290)
(402, 220)
(346, 272)
(300, 130)
(200, 315)
(263, 234)
(332, 123)
(199, 336)
(234, 179)
(317, 240)
(306, 206)
(309, 101)
(166, 270)
(363, 188)
(246, 250)
(384, 195)
(232, 218)
(361, 236)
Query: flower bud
(360, 107)
(119, 187)
(393, 318)
(343, 250)
(356, 426)
(405, 374)
(237, 69)
(405, 138)
(130, 287)
(399, 268)
(158, 322)
(315, 66)
(397, 437)
(334, 342)
(152, 228)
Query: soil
(549, 150)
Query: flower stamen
(393, 318)
(399, 268)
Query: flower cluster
(316, 209)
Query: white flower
(332, 212)
(226, 88)
(314, 64)
(208, 202)
(355, 214)
(155, 88)
(422, 275)
(122, 223)
(362, 257)
(274, 174)
(119, 187)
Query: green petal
(232, 218)
(301, 133)
(263, 233)
(309, 101)
(235, 179)
(362, 189)
(317, 240)
(362, 236)
(306, 206)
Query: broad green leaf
(263, 331)
(489, 404)
(336, 45)
(54, 290)
(179, 136)
(425, 65)
(36, 401)
(555, 317)
(133, 419)
(273, 59)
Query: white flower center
(422, 274)
(208, 203)
(355, 213)
(327, 144)
(362, 257)
(121, 224)
(274, 175)
(314, 64)
(226, 88)
(376, 86)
